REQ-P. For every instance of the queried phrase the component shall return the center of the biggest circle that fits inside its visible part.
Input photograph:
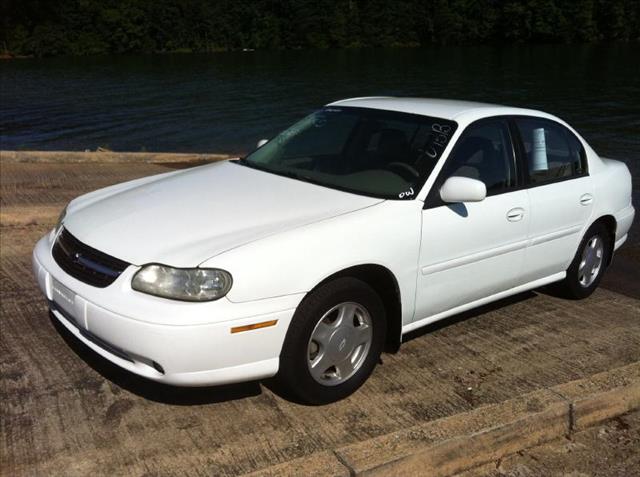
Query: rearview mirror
(458, 189)
(262, 142)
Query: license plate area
(64, 298)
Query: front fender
(292, 262)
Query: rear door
(560, 194)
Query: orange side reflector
(255, 326)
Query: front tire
(588, 266)
(333, 343)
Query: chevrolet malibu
(312, 255)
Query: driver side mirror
(262, 142)
(458, 189)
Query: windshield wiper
(281, 172)
(292, 175)
(243, 162)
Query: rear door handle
(516, 214)
(586, 199)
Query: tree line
(86, 27)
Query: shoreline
(110, 157)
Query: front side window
(484, 152)
(552, 152)
(365, 151)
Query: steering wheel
(404, 170)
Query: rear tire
(588, 265)
(333, 343)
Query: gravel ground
(66, 411)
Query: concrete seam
(341, 459)
(571, 417)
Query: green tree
(82, 27)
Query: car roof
(460, 111)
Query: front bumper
(184, 344)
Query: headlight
(187, 284)
(58, 226)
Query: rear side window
(552, 152)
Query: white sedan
(323, 247)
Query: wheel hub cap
(339, 343)
(591, 261)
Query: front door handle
(515, 215)
(586, 199)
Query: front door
(473, 250)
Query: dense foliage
(80, 27)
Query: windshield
(365, 151)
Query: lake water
(225, 102)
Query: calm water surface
(225, 102)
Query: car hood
(185, 217)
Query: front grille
(85, 263)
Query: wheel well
(610, 224)
(382, 280)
